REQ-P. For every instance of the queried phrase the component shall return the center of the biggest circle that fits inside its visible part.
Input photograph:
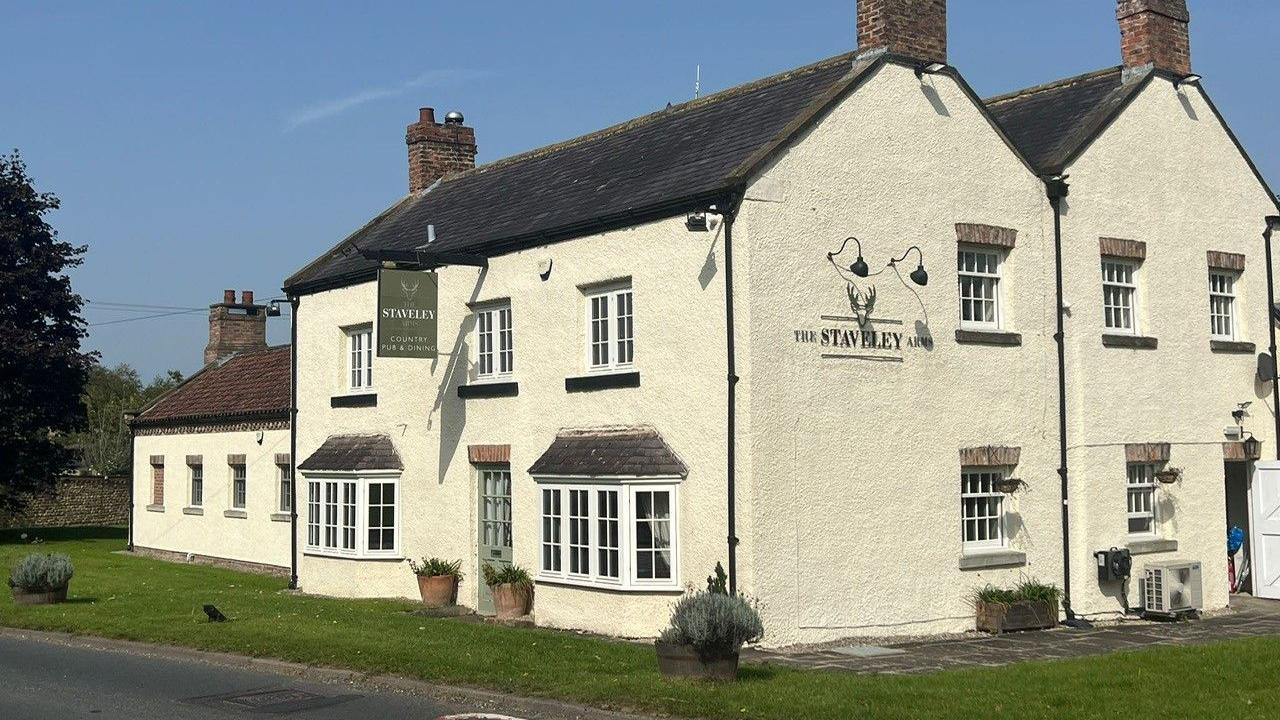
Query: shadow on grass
(14, 536)
(79, 601)
(756, 673)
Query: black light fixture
(1191, 79)
(859, 266)
(918, 276)
(696, 222)
(1252, 448)
(929, 69)
(273, 309)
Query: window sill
(606, 586)
(1150, 546)
(978, 559)
(489, 390)
(193, 510)
(602, 381)
(1232, 347)
(155, 508)
(988, 337)
(335, 555)
(281, 517)
(235, 513)
(354, 400)
(1136, 342)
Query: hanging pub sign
(407, 305)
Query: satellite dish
(1266, 367)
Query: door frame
(483, 594)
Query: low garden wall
(76, 501)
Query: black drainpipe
(1057, 190)
(730, 213)
(293, 442)
(1272, 222)
(128, 421)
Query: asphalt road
(55, 678)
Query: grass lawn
(128, 597)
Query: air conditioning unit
(1171, 589)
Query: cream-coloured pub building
(866, 339)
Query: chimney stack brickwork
(235, 326)
(1155, 33)
(437, 149)
(914, 28)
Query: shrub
(38, 572)
(715, 625)
(434, 567)
(1025, 591)
(508, 575)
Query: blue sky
(198, 146)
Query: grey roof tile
(609, 452)
(354, 452)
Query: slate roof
(609, 452)
(669, 161)
(248, 385)
(354, 452)
(1051, 123)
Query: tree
(42, 368)
(109, 393)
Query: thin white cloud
(431, 78)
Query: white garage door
(1266, 530)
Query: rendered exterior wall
(676, 277)
(855, 464)
(1166, 173)
(262, 536)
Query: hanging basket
(1008, 486)
(1169, 476)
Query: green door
(495, 528)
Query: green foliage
(42, 368)
(1030, 590)
(718, 583)
(110, 392)
(714, 624)
(39, 572)
(434, 567)
(508, 575)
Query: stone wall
(77, 501)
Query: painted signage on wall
(407, 307)
(882, 324)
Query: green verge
(120, 596)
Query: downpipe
(293, 442)
(730, 213)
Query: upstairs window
(495, 347)
(610, 329)
(1119, 295)
(1222, 305)
(360, 358)
(979, 274)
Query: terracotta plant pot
(438, 590)
(1022, 615)
(39, 597)
(682, 661)
(510, 601)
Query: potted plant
(707, 631)
(40, 579)
(1169, 476)
(512, 589)
(1007, 485)
(438, 581)
(1031, 605)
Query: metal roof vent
(453, 118)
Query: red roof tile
(249, 384)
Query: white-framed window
(981, 509)
(360, 358)
(197, 484)
(979, 274)
(611, 343)
(239, 485)
(353, 514)
(1222, 304)
(1141, 496)
(495, 343)
(615, 535)
(285, 503)
(1120, 295)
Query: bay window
(615, 535)
(353, 514)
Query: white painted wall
(259, 537)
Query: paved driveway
(1249, 617)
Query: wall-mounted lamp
(273, 309)
(918, 276)
(859, 266)
(1273, 223)
(1191, 79)
(696, 221)
(932, 68)
(1252, 448)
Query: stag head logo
(861, 302)
(410, 290)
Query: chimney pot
(246, 297)
(427, 115)
(228, 296)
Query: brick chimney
(437, 149)
(235, 326)
(1155, 33)
(914, 28)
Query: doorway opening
(1239, 516)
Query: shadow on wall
(452, 410)
(931, 94)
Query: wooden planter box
(997, 618)
(682, 661)
(438, 590)
(26, 597)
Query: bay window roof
(609, 452)
(349, 453)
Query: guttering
(730, 213)
(1272, 223)
(293, 442)
(1057, 189)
